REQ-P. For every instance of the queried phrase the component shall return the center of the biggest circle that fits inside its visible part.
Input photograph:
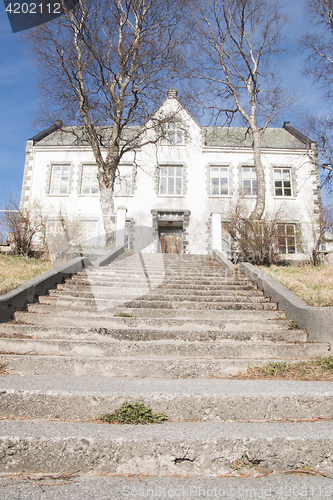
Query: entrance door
(171, 239)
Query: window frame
(60, 177)
(123, 178)
(92, 166)
(170, 131)
(253, 189)
(167, 183)
(283, 188)
(287, 238)
(226, 168)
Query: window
(249, 181)
(226, 241)
(282, 181)
(124, 180)
(172, 134)
(287, 238)
(171, 180)
(59, 179)
(219, 180)
(89, 184)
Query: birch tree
(101, 64)
(317, 44)
(238, 42)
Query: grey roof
(273, 138)
(73, 136)
(235, 137)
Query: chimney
(172, 93)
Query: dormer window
(172, 134)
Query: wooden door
(170, 241)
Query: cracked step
(171, 448)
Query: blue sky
(18, 98)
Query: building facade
(183, 186)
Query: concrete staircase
(168, 331)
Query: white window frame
(61, 181)
(252, 188)
(219, 172)
(89, 182)
(171, 180)
(289, 240)
(283, 175)
(173, 134)
(123, 185)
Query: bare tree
(22, 226)
(239, 42)
(256, 240)
(318, 47)
(320, 232)
(103, 63)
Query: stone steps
(163, 349)
(85, 398)
(153, 332)
(104, 366)
(37, 313)
(171, 448)
(71, 357)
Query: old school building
(182, 187)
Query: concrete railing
(222, 258)
(318, 321)
(28, 292)
(109, 256)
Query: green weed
(133, 413)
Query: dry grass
(313, 369)
(313, 284)
(3, 370)
(15, 270)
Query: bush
(257, 241)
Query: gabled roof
(286, 137)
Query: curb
(318, 321)
(28, 292)
(222, 258)
(109, 256)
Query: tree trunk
(106, 178)
(259, 208)
(108, 214)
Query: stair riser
(97, 295)
(178, 280)
(87, 291)
(127, 367)
(178, 407)
(100, 304)
(203, 448)
(215, 350)
(40, 314)
(72, 333)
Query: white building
(182, 187)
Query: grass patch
(313, 284)
(124, 315)
(133, 413)
(314, 369)
(15, 270)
